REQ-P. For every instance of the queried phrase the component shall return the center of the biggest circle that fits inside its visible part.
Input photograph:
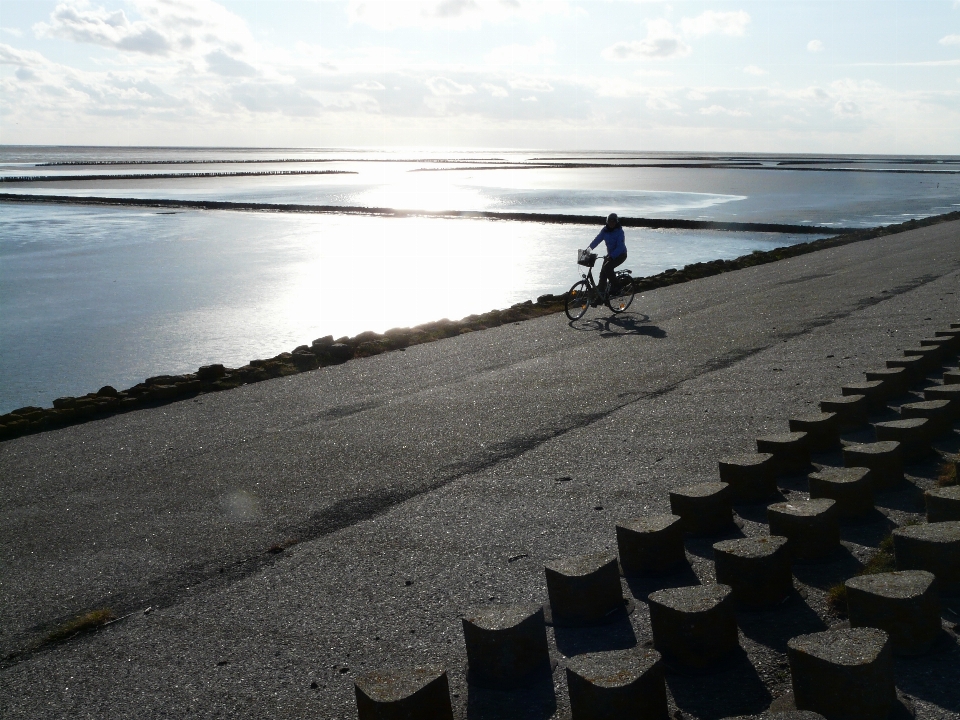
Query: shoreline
(162, 389)
(160, 176)
(554, 218)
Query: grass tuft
(837, 598)
(948, 475)
(84, 623)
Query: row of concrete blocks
(845, 674)
(695, 627)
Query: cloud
(532, 98)
(445, 86)
(459, 14)
(712, 22)
(950, 40)
(369, 85)
(720, 110)
(754, 70)
(664, 41)
(16, 32)
(846, 108)
(815, 46)
(100, 27)
(521, 54)
(222, 64)
(494, 90)
(531, 84)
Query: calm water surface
(96, 296)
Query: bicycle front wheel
(578, 300)
(623, 298)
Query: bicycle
(586, 294)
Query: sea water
(110, 295)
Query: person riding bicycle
(612, 235)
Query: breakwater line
(689, 166)
(163, 389)
(557, 218)
(162, 176)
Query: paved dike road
(410, 487)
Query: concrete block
(694, 627)
(506, 645)
(757, 569)
(896, 380)
(945, 392)
(947, 345)
(934, 547)
(936, 412)
(913, 435)
(419, 693)
(932, 356)
(790, 451)
(951, 335)
(951, 377)
(851, 410)
(622, 684)
(812, 527)
(651, 545)
(751, 477)
(705, 509)
(904, 604)
(851, 488)
(792, 715)
(585, 589)
(843, 673)
(914, 365)
(884, 458)
(874, 390)
(822, 429)
(943, 504)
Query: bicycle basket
(586, 258)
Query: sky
(815, 76)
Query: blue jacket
(614, 240)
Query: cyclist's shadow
(627, 323)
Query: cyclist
(612, 235)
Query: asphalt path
(409, 487)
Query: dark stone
(108, 391)
(324, 342)
(617, 685)
(651, 545)
(822, 429)
(895, 380)
(914, 365)
(851, 488)
(913, 435)
(694, 627)
(751, 477)
(884, 458)
(420, 693)
(304, 360)
(851, 410)
(936, 412)
(211, 373)
(934, 547)
(506, 645)
(757, 569)
(812, 527)
(790, 451)
(951, 377)
(339, 353)
(705, 509)
(843, 673)
(943, 504)
(905, 604)
(584, 590)
(64, 403)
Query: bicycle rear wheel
(578, 300)
(623, 298)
